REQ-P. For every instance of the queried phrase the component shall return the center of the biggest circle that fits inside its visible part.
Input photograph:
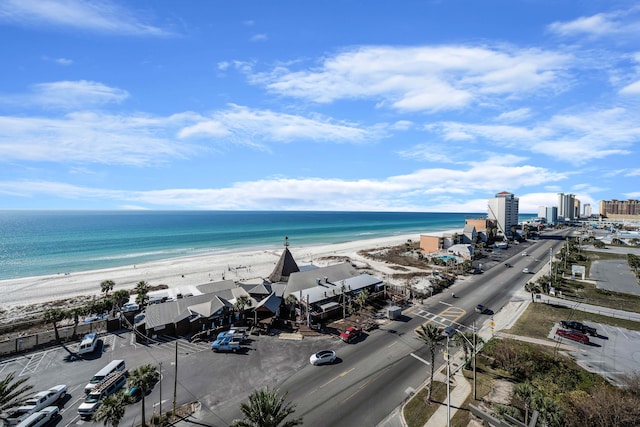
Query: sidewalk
(460, 390)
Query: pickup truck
(240, 333)
(580, 327)
(34, 404)
(227, 344)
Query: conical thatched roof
(285, 266)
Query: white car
(130, 306)
(525, 270)
(36, 403)
(41, 417)
(322, 357)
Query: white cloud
(575, 139)
(96, 15)
(437, 189)
(631, 89)
(67, 95)
(422, 78)
(618, 24)
(90, 138)
(514, 116)
(259, 38)
(247, 126)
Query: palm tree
(242, 302)
(527, 392)
(53, 316)
(119, 298)
(362, 298)
(111, 410)
(144, 377)
(432, 337)
(266, 408)
(142, 291)
(75, 314)
(291, 302)
(106, 286)
(12, 392)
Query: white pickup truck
(34, 404)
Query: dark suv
(580, 327)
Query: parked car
(227, 344)
(36, 403)
(580, 327)
(41, 417)
(525, 270)
(351, 333)
(323, 357)
(239, 333)
(133, 394)
(573, 335)
(129, 307)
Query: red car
(573, 335)
(351, 333)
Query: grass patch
(538, 319)
(417, 412)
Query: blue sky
(330, 105)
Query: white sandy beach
(182, 274)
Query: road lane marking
(392, 344)
(420, 359)
(336, 377)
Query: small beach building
(431, 244)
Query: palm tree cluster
(12, 391)
(109, 303)
(267, 408)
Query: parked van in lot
(114, 382)
(113, 366)
(88, 344)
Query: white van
(88, 344)
(114, 382)
(113, 366)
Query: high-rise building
(587, 210)
(542, 211)
(620, 209)
(504, 210)
(567, 206)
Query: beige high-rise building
(620, 209)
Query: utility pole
(448, 386)
(475, 353)
(160, 406)
(344, 303)
(175, 381)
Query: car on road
(449, 331)
(351, 333)
(573, 335)
(580, 327)
(480, 308)
(322, 357)
(524, 253)
(525, 270)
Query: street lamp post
(160, 405)
(448, 385)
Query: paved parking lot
(217, 380)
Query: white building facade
(504, 210)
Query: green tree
(241, 304)
(111, 410)
(120, 298)
(142, 293)
(75, 314)
(431, 336)
(527, 394)
(53, 316)
(464, 340)
(12, 391)
(267, 408)
(362, 298)
(291, 301)
(106, 286)
(144, 377)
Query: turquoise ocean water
(34, 243)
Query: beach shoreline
(184, 273)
